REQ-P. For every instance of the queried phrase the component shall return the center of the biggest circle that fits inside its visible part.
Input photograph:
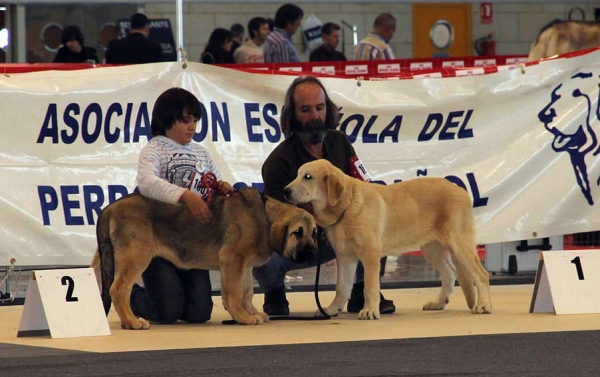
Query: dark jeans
(171, 294)
(271, 275)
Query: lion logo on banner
(577, 138)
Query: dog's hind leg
(129, 270)
(465, 279)
(438, 256)
(232, 290)
(469, 261)
(249, 294)
(346, 269)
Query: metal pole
(179, 15)
(354, 35)
(20, 35)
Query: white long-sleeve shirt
(166, 168)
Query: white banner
(523, 144)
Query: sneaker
(276, 303)
(357, 301)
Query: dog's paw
(137, 324)
(318, 314)
(432, 305)
(263, 316)
(259, 319)
(331, 310)
(250, 319)
(482, 309)
(369, 314)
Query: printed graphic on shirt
(181, 171)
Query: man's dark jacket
(133, 49)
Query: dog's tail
(107, 257)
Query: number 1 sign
(567, 282)
(64, 304)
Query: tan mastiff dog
(242, 233)
(365, 221)
(561, 37)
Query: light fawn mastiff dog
(365, 221)
(561, 37)
(242, 233)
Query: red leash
(210, 182)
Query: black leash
(302, 318)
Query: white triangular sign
(63, 303)
(33, 319)
(541, 301)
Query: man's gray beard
(312, 132)
(312, 137)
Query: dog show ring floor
(510, 303)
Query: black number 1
(67, 280)
(577, 263)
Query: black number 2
(577, 263)
(67, 280)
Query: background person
(330, 33)
(218, 48)
(278, 47)
(252, 50)
(165, 166)
(238, 34)
(72, 49)
(309, 119)
(375, 46)
(135, 48)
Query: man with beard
(309, 119)
(252, 50)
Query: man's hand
(197, 206)
(224, 188)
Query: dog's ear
(277, 236)
(335, 189)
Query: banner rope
(184, 56)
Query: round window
(441, 34)
(50, 36)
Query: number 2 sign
(567, 282)
(64, 304)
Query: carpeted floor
(559, 354)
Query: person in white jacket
(174, 169)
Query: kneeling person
(166, 165)
(309, 119)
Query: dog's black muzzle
(287, 193)
(306, 253)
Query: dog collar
(339, 219)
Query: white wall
(516, 24)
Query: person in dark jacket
(309, 119)
(330, 33)
(72, 49)
(218, 48)
(135, 48)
